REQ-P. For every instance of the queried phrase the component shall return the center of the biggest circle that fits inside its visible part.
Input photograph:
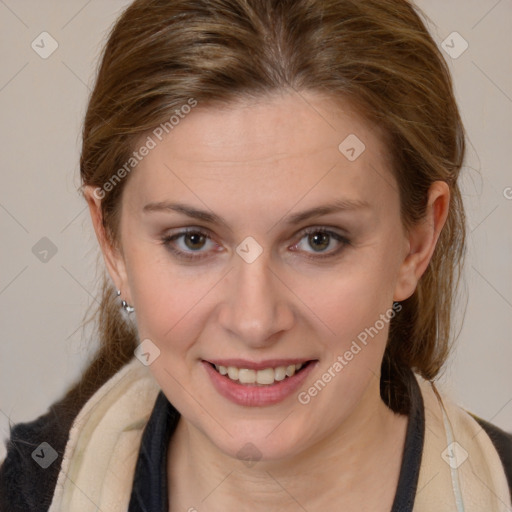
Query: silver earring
(125, 305)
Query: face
(256, 284)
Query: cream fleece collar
(460, 470)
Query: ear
(422, 239)
(111, 255)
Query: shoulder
(27, 480)
(29, 472)
(502, 441)
(489, 447)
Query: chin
(264, 440)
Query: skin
(255, 163)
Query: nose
(257, 306)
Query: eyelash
(168, 239)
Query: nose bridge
(256, 307)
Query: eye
(195, 240)
(320, 238)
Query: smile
(266, 383)
(263, 377)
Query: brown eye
(197, 240)
(192, 242)
(190, 246)
(319, 240)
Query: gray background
(43, 101)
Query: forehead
(278, 150)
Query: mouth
(258, 384)
(260, 377)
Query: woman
(273, 185)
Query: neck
(358, 462)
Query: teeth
(233, 373)
(280, 373)
(263, 377)
(246, 376)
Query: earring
(125, 305)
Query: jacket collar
(460, 468)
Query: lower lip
(257, 396)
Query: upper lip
(257, 365)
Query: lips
(242, 386)
(256, 365)
(265, 376)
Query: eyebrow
(333, 207)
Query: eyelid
(171, 237)
(342, 239)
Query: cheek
(169, 311)
(357, 332)
(355, 305)
(167, 297)
(357, 295)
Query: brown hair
(376, 54)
